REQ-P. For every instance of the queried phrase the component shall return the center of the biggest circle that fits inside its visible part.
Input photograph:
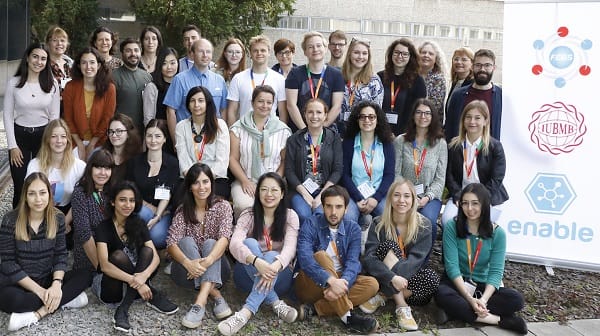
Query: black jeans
(29, 140)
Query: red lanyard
(310, 82)
(314, 152)
(476, 257)
(200, 153)
(419, 163)
(369, 168)
(351, 92)
(267, 239)
(469, 166)
(252, 79)
(395, 95)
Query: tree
(217, 19)
(76, 17)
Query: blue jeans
(353, 213)
(244, 275)
(159, 231)
(303, 209)
(213, 273)
(431, 210)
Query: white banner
(551, 114)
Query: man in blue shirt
(328, 255)
(198, 75)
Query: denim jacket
(315, 236)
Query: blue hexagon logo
(550, 193)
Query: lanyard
(476, 257)
(419, 163)
(394, 96)
(401, 243)
(200, 153)
(267, 239)
(335, 250)
(314, 151)
(99, 200)
(369, 168)
(469, 166)
(315, 94)
(252, 78)
(351, 92)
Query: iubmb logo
(557, 128)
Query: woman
(31, 100)
(57, 41)
(461, 72)
(264, 244)
(313, 160)
(422, 157)
(402, 84)
(257, 146)
(474, 254)
(232, 60)
(204, 138)
(89, 102)
(155, 173)
(127, 257)
(198, 238)
(284, 52)
(361, 82)
(395, 253)
(368, 160)
(89, 200)
(123, 143)
(105, 41)
(433, 69)
(475, 156)
(63, 169)
(34, 281)
(151, 41)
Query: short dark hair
(486, 227)
(127, 41)
(263, 88)
(338, 34)
(189, 27)
(283, 43)
(101, 158)
(485, 53)
(335, 190)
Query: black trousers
(29, 140)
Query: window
(293, 22)
(445, 31)
(376, 27)
(348, 26)
(487, 35)
(428, 30)
(399, 28)
(473, 33)
(320, 24)
(459, 32)
(416, 29)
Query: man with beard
(482, 88)
(130, 82)
(328, 252)
(337, 46)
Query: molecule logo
(562, 57)
(557, 128)
(550, 193)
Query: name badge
(420, 189)
(366, 190)
(470, 288)
(310, 185)
(392, 118)
(162, 193)
(63, 82)
(346, 115)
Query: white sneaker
(232, 325)
(78, 302)
(372, 304)
(167, 269)
(20, 320)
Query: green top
(489, 268)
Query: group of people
(323, 182)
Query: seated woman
(33, 254)
(204, 138)
(57, 161)
(474, 254)
(257, 147)
(474, 156)
(264, 244)
(87, 204)
(369, 160)
(155, 173)
(395, 252)
(197, 239)
(127, 257)
(123, 143)
(313, 160)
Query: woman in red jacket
(89, 101)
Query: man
(337, 46)
(191, 34)
(130, 82)
(482, 88)
(198, 75)
(313, 80)
(328, 255)
(239, 94)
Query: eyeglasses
(361, 40)
(404, 54)
(284, 53)
(363, 117)
(486, 66)
(117, 132)
(424, 114)
(272, 191)
(233, 52)
(338, 45)
(470, 204)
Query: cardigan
(103, 109)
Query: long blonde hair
(44, 156)
(23, 210)
(481, 106)
(365, 74)
(415, 221)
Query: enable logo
(550, 193)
